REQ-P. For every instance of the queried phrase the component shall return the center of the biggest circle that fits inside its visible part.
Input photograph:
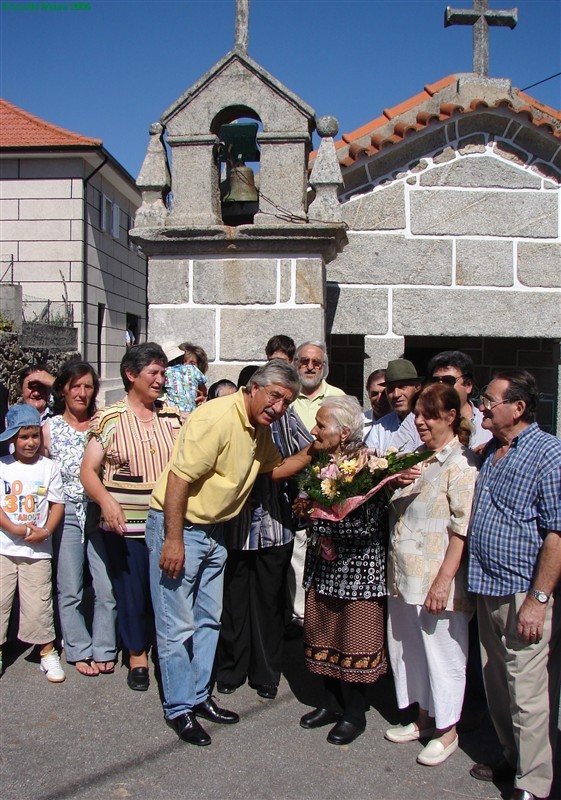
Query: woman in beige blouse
(428, 603)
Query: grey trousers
(522, 682)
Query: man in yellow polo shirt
(217, 456)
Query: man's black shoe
(189, 729)
(344, 732)
(266, 690)
(138, 679)
(226, 688)
(209, 710)
(318, 718)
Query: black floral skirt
(345, 639)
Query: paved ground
(92, 738)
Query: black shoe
(318, 718)
(266, 690)
(189, 729)
(345, 732)
(138, 679)
(226, 688)
(209, 710)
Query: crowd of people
(182, 504)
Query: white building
(66, 206)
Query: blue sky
(109, 71)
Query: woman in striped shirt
(129, 444)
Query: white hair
(347, 413)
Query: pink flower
(330, 471)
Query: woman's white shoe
(436, 753)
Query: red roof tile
(439, 102)
(19, 128)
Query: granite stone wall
(462, 242)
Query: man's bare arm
(532, 613)
(172, 557)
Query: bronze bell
(241, 181)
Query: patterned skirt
(345, 639)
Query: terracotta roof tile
(438, 102)
(19, 128)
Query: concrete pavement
(93, 738)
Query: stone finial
(326, 177)
(242, 26)
(481, 18)
(327, 126)
(153, 180)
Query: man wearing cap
(455, 369)
(397, 429)
(220, 451)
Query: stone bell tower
(228, 274)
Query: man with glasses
(514, 569)
(455, 368)
(312, 363)
(221, 449)
(397, 429)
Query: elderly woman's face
(326, 431)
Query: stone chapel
(434, 226)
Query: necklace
(139, 418)
(138, 436)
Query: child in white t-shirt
(31, 507)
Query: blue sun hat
(20, 416)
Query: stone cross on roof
(481, 18)
(242, 25)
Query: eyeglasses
(274, 398)
(448, 380)
(489, 404)
(313, 361)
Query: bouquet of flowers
(337, 484)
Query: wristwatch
(541, 597)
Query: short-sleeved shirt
(307, 408)
(25, 493)
(182, 382)
(517, 502)
(135, 455)
(219, 453)
(423, 517)
(391, 431)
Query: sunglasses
(447, 380)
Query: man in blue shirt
(514, 568)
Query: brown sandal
(104, 669)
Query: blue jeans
(72, 553)
(187, 612)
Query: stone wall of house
(462, 242)
(231, 307)
(48, 249)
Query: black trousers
(253, 616)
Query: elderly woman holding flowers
(428, 604)
(344, 575)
